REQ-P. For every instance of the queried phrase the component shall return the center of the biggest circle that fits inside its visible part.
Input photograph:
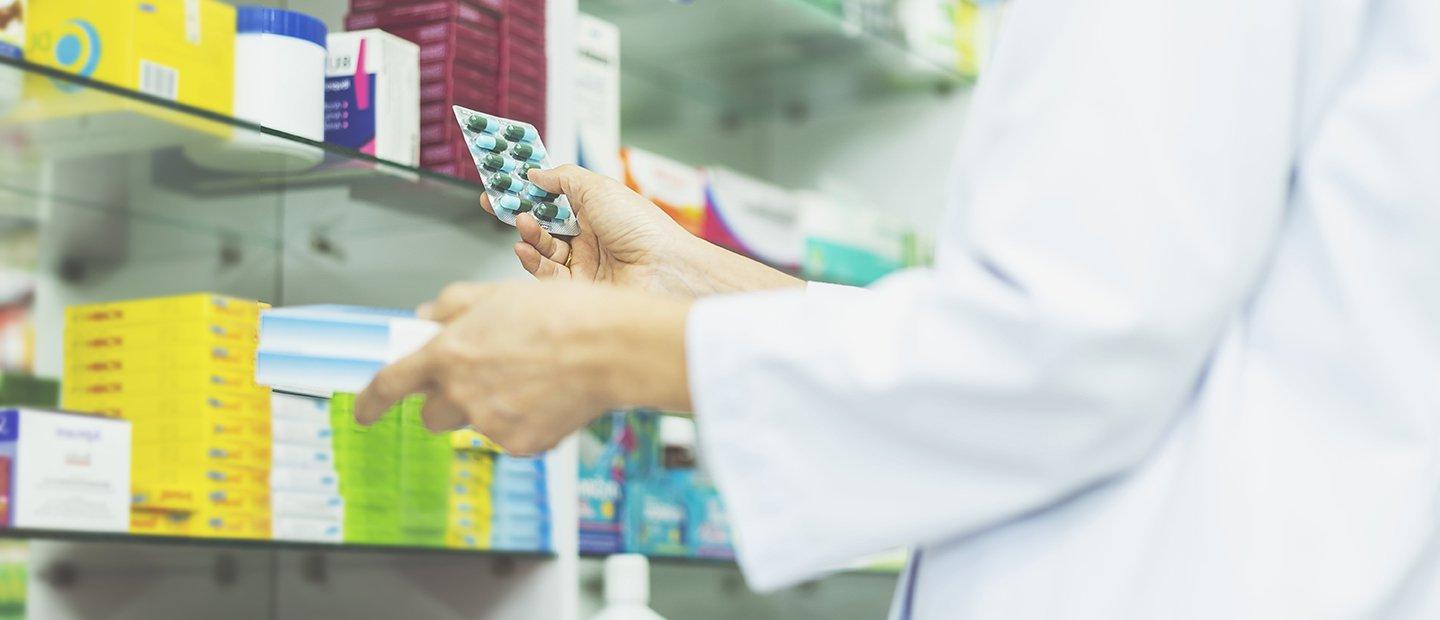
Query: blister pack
(505, 152)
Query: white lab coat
(1180, 353)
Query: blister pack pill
(505, 152)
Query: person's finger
(538, 265)
(569, 179)
(485, 203)
(454, 300)
(409, 375)
(532, 233)
(441, 414)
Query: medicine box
(676, 187)
(67, 471)
(848, 245)
(372, 102)
(175, 50)
(752, 217)
(597, 96)
(306, 529)
(12, 28)
(324, 349)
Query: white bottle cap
(677, 432)
(627, 579)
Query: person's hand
(628, 241)
(623, 238)
(513, 363)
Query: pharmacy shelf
(108, 150)
(754, 58)
(886, 568)
(273, 545)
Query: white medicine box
(65, 471)
(597, 96)
(372, 95)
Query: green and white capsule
(507, 183)
(498, 163)
(487, 142)
(532, 190)
(481, 124)
(528, 153)
(515, 204)
(551, 212)
(520, 133)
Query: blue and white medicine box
(67, 471)
(372, 95)
(325, 349)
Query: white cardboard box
(753, 217)
(66, 471)
(597, 96)
(372, 95)
(323, 349)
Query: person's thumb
(569, 179)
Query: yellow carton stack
(181, 369)
(470, 511)
(175, 50)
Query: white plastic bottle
(627, 589)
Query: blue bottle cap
(265, 20)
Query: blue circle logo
(77, 51)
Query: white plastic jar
(279, 84)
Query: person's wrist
(638, 352)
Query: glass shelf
(755, 58)
(885, 568)
(69, 143)
(274, 545)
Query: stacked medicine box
(470, 510)
(521, 512)
(181, 370)
(305, 499)
(367, 459)
(486, 55)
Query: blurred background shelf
(124, 154)
(890, 565)
(261, 545)
(757, 58)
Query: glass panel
(89, 145)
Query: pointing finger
(409, 375)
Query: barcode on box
(159, 80)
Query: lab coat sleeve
(1122, 180)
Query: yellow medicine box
(254, 429)
(161, 523)
(193, 306)
(220, 381)
(143, 407)
(171, 335)
(176, 50)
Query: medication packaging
(176, 50)
(752, 217)
(12, 28)
(505, 152)
(677, 188)
(66, 471)
(372, 100)
(597, 96)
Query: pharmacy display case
(106, 203)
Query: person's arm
(1124, 176)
